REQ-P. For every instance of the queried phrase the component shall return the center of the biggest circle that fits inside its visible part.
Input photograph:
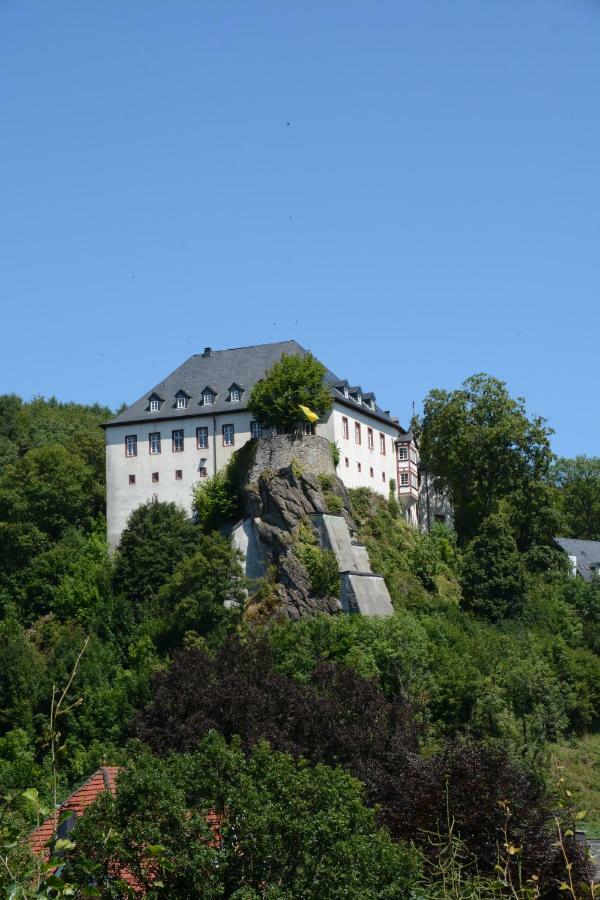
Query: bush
(215, 501)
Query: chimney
(207, 351)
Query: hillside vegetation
(347, 756)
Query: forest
(452, 750)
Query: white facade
(131, 480)
(367, 447)
(146, 467)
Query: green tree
(51, 489)
(578, 481)
(205, 593)
(293, 380)
(493, 579)
(285, 830)
(21, 675)
(480, 446)
(157, 537)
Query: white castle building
(187, 427)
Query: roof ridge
(252, 346)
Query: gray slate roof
(243, 366)
(587, 553)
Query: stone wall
(313, 453)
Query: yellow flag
(310, 415)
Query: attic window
(208, 398)
(346, 393)
(154, 404)
(235, 395)
(182, 401)
(372, 404)
(359, 399)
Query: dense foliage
(375, 728)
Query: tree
(480, 446)
(578, 481)
(205, 593)
(493, 578)
(21, 675)
(279, 829)
(157, 537)
(293, 380)
(51, 489)
(339, 718)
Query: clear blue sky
(410, 188)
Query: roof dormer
(182, 399)
(343, 387)
(235, 391)
(155, 401)
(209, 395)
(369, 399)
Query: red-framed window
(131, 445)
(202, 438)
(370, 443)
(382, 443)
(177, 439)
(357, 433)
(345, 431)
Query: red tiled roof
(103, 779)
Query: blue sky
(409, 188)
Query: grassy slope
(581, 760)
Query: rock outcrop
(282, 507)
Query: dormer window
(208, 396)
(181, 403)
(359, 399)
(181, 400)
(372, 404)
(235, 393)
(154, 402)
(346, 393)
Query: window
(402, 452)
(414, 481)
(177, 440)
(382, 443)
(372, 404)
(404, 479)
(359, 399)
(344, 427)
(154, 442)
(370, 438)
(202, 437)
(359, 466)
(132, 479)
(155, 477)
(131, 445)
(413, 455)
(346, 393)
(178, 474)
(371, 473)
(154, 404)
(357, 435)
(202, 472)
(383, 476)
(207, 398)
(182, 402)
(255, 429)
(228, 435)
(234, 395)
(346, 462)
